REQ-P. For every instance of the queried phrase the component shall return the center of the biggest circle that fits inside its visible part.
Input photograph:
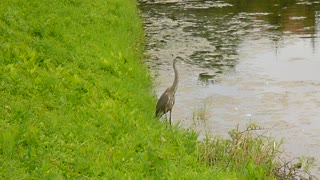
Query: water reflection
(223, 24)
(258, 58)
(288, 16)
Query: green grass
(77, 102)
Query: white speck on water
(249, 115)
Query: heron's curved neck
(176, 77)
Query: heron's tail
(159, 113)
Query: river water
(261, 59)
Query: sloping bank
(76, 99)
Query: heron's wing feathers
(163, 104)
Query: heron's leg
(170, 117)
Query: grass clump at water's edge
(76, 100)
(250, 153)
(253, 155)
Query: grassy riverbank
(76, 100)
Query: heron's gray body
(167, 99)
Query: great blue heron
(167, 99)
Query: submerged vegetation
(76, 101)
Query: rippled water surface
(262, 61)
